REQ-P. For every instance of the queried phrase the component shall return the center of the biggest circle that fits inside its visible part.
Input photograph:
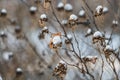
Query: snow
(98, 8)
(90, 57)
(73, 17)
(64, 22)
(1, 78)
(56, 40)
(108, 47)
(105, 9)
(69, 36)
(60, 5)
(115, 22)
(43, 16)
(6, 55)
(18, 70)
(4, 11)
(97, 34)
(33, 8)
(89, 31)
(45, 28)
(81, 13)
(68, 7)
(62, 62)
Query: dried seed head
(99, 10)
(3, 34)
(68, 39)
(81, 13)
(97, 34)
(73, 17)
(115, 22)
(45, 30)
(105, 9)
(57, 40)
(33, 9)
(89, 31)
(108, 48)
(90, 59)
(60, 5)
(19, 71)
(43, 17)
(17, 29)
(7, 56)
(68, 7)
(64, 22)
(3, 12)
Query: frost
(7, 55)
(68, 7)
(98, 9)
(43, 16)
(73, 17)
(57, 40)
(60, 5)
(33, 8)
(105, 9)
(97, 34)
(81, 13)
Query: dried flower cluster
(60, 70)
(55, 40)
